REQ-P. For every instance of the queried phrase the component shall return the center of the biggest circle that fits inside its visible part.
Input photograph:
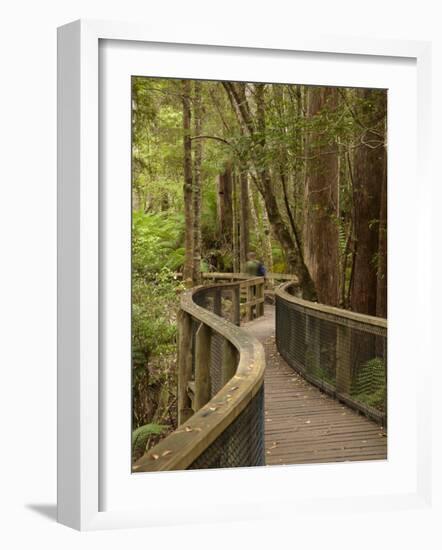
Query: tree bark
(244, 219)
(381, 298)
(321, 236)
(198, 148)
(368, 179)
(266, 236)
(188, 185)
(225, 206)
(235, 215)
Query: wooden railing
(342, 352)
(251, 292)
(213, 351)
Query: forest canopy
(294, 173)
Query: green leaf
(142, 434)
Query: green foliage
(156, 253)
(279, 265)
(141, 435)
(320, 364)
(281, 144)
(157, 243)
(370, 384)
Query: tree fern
(369, 386)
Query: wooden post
(249, 307)
(260, 295)
(202, 366)
(217, 301)
(343, 360)
(236, 318)
(229, 362)
(184, 365)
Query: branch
(357, 119)
(222, 140)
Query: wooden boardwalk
(303, 424)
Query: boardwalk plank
(304, 425)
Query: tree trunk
(321, 236)
(368, 177)
(267, 237)
(198, 147)
(244, 219)
(235, 241)
(225, 207)
(381, 298)
(187, 187)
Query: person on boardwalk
(254, 267)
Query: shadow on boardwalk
(303, 424)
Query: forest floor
(303, 424)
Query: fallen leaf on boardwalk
(308, 421)
(166, 453)
(268, 419)
(233, 388)
(155, 456)
(212, 408)
(188, 429)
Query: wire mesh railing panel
(219, 301)
(241, 444)
(216, 359)
(220, 425)
(341, 355)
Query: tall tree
(236, 260)
(244, 218)
(198, 156)
(368, 181)
(321, 239)
(254, 126)
(381, 295)
(225, 205)
(188, 184)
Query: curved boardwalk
(303, 424)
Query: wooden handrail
(237, 276)
(339, 315)
(183, 446)
(345, 321)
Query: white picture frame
(79, 409)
